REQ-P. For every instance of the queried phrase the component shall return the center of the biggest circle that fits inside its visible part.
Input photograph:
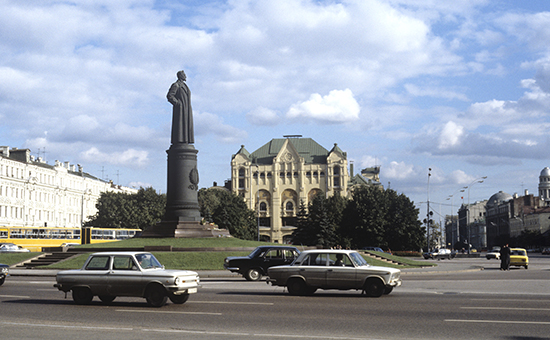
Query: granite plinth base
(183, 229)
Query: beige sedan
(334, 269)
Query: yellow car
(518, 257)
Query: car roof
(112, 253)
(332, 251)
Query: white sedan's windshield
(358, 259)
(148, 261)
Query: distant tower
(544, 185)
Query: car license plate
(191, 290)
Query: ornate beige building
(34, 193)
(276, 177)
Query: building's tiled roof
(310, 150)
(242, 151)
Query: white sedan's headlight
(177, 281)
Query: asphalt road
(449, 304)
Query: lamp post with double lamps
(451, 197)
(478, 180)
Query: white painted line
(15, 296)
(499, 321)
(194, 332)
(311, 336)
(234, 303)
(286, 336)
(164, 312)
(507, 308)
(66, 326)
(507, 300)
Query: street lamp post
(258, 197)
(451, 197)
(478, 180)
(428, 212)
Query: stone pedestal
(182, 217)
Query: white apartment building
(34, 193)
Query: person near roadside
(505, 257)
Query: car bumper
(232, 269)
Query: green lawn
(13, 258)
(191, 260)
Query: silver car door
(341, 272)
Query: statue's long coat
(179, 96)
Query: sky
(461, 88)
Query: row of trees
(147, 207)
(122, 210)
(370, 217)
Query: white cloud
(263, 116)
(336, 107)
(208, 123)
(398, 171)
(436, 92)
(450, 135)
(129, 157)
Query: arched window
(289, 206)
(263, 206)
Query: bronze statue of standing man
(179, 96)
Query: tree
(364, 218)
(123, 210)
(403, 231)
(302, 234)
(375, 217)
(321, 223)
(228, 211)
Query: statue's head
(181, 75)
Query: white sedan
(12, 248)
(493, 254)
(334, 269)
(112, 274)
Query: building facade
(275, 178)
(471, 225)
(34, 193)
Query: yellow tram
(35, 238)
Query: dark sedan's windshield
(255, 252)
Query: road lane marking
(502, 321)
(66, 326)
(194, 332)
(163, 312)
(15, 296)
(508, 308)
(286, 336)
(235, 303)
(508, 300)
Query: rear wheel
(374, 287)
(253, 274)
(526, 266)
(297, 287)
(156, 296)
(82, 296)
(179, 299)
(107, 298)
